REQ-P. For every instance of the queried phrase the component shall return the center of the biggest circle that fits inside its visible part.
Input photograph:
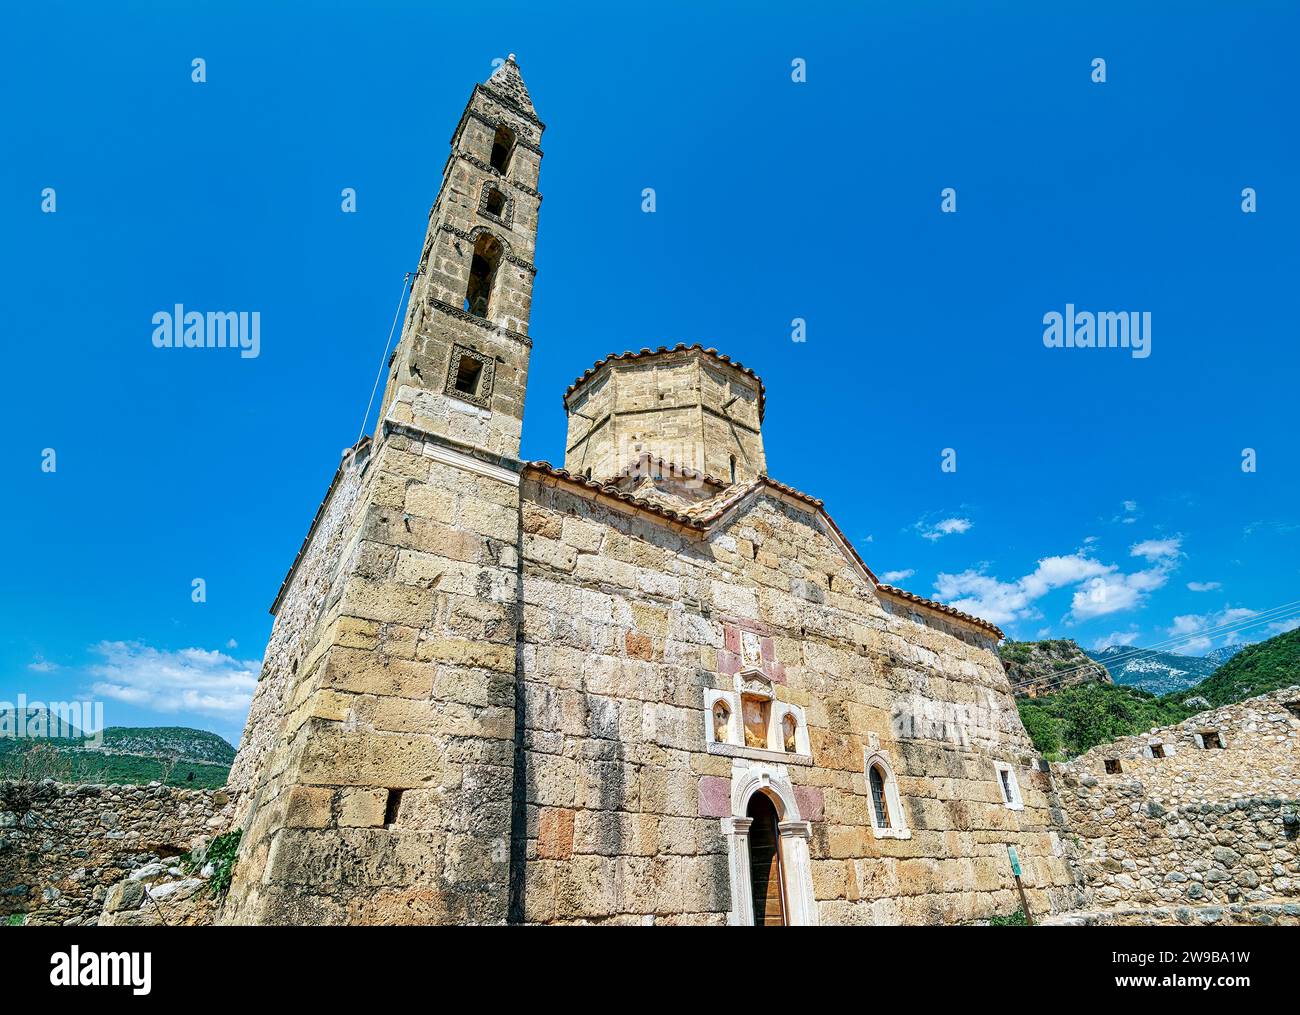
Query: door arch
(778, 807)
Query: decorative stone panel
(507, 214)
(482, 395)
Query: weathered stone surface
(489, 691)
(1207, 826)
(73, 846)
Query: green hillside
(1256, 669)
(131, 755)
(169, 741)
(1071, 721)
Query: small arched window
(879, 805)
(482, 275)
(885, 808)
(503, 146)
(721, 721)
(788, 729)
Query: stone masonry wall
(628, 622)
(1199, 826)
(386, 797)
(682, 406)
(63, 846)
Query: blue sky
(1093, 492)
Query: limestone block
(362, 808)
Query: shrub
(222, 853)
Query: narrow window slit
(393, 808)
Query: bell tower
(461, 368)
(377, 767)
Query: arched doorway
(763, 806)
(765, 863)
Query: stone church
(653, 686)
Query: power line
(1059, 677)
(383, 362)
(1273, 615)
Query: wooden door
(765, 863)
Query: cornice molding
(482, 166)
(436, 304)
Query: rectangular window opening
(1113, 766)
(468, 373)
(393, 808)
(1211, 740)
(1157, 750)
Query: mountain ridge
(1160, 672)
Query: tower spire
(509, 85)
(461, 367)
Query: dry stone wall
(63, 846)
(1169, 819)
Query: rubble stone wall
(1176, 822)
(63, 846)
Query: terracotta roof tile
(912, 597)
(610, 490)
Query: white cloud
(1116, 638)
(1157, 549)
(1130, 513)
(1057, 572)
(1282, 626)
(984, 596)
(1195, 630)
(232, 643)
(189, 680)
(897, 576)
(947, 527)
(1101, 595)
(1100, 589)
(1204, 586)
(42, 665)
